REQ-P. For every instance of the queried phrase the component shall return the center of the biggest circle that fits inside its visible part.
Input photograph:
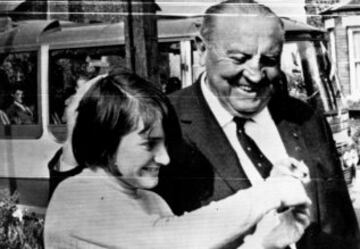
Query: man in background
(18, 112)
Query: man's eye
(238, 59)
(270, 61)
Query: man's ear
(201, 46)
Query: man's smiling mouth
(247, 88)
(253, 88)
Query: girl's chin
(147, 182)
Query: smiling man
(238, 125)
(242, 62)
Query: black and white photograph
(158, 124)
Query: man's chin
(247, 111)
(246, 114)
(249, 108)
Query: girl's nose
(162, 156)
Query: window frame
(26, 131)
(59, 131)
(354, 86)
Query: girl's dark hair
(112, 108)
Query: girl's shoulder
(155, 202)
(78, 187)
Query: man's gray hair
(233, 8)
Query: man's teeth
(246, 88)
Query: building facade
(314, 8)
(83, 11)
(342, 21)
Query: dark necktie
(262, 164)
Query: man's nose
(162, 156)
(254, 72)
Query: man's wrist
(269, 195)
(252, 242)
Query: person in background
(4, 118)
(63, 164)
(109, 204)
(172, 85)
(18, 112)
(237, 125)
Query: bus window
(292, 67)
(170, 66)
(307, 73)
(19, 95)
(68, 69)
(197, 67)
(328, 75)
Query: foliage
(18, 229)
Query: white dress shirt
(261, 129)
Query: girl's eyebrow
(156, 138)
(152, 140)
(146, 135)
(145, 131)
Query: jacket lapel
(293, 134)
(289, 129)
(211, 140)
(292, 139)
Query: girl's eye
(150, 144)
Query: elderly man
(238, 125)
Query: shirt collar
(221, 114)
(262, 117)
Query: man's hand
(287, 180)
(73, 101)
(72, 104)
(275, 231)
(287, 191)
(291, 167)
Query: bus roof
(59, 34)
(25, 35)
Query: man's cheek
(273, 74)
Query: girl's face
(140, 156)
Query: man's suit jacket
(208, 168)
(18, 115)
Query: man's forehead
(238, 28)
(246, 22)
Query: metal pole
(132, 49)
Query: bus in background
(47, 59)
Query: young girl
(121, 139)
